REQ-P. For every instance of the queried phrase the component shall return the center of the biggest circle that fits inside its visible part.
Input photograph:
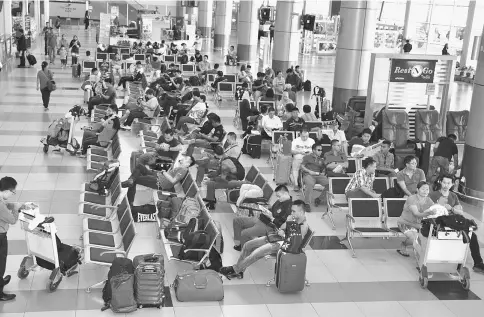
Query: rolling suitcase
(282, 171)
(290, 272)
(87, 95)
(149, 283)
(75, 70)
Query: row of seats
(336, 197)
(369, 218)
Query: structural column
(406, 23)
(474, 146)
(286, 34)
(46, 12)
(205, 10)
(223, 24)
(248, 30)
(355, 43)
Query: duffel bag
(199, 286)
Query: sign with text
(412, 71)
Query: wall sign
(412, 71)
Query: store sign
(412, 71)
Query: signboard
(412, 71)
(67, 10)
(430, 90)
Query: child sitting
(439, 208)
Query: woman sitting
(101, 133)
(415, 209)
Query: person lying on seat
(191, 112)
(167, 143)
(265, 245)
(136, 76)
(162, 180)
(201, 140)
(248, 228)
(102, 132)
(146, 108)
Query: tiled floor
(378, 282)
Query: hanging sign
(412, 71)
(430, 90)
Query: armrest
(114, 252)
(349, 217)
(260, 200)
(197, 250)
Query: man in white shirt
(301, 146)
(270, 123)
(145, 109)
(337, 134)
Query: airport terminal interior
(347, 48)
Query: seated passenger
(244, 76)
(156, 64)
(182, 109)
(201, 140)
(248, 228)
(197, 58)
(195, 115)
(160, 180)
(209, 161)
(231, 57)
(407, 179)
(101, 133)
(145, 109)
(326, 113)
(269, 96)
(308, 114)
(314, 172)
(300, 147)
(167, 143)
(336, 133)
(293, 80)
(385, 161)
(247, 111)
(364, 140)
(259, 86)
(281, 105)
(258, 248)
(453, 206)
(294, 123)
(361, 184)
(321, 137)
(219, 78)
(204, 67)
(415, 209)
(336, 161)
(117, 62)
(444, 151)
(136, 76)
(270, 123)
(106, 95)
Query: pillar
(223, 24)
(192, 12)
(355, 43)
(25, 11)
(406, 23)
(46, 12)
(180, 11)
(286, 34)
(474, 144)
(473, 29)
(248, 30)
(205, 10)
(7, 14)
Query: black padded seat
(101, 239)
(99, 225)
(95, 199)
(371, 230)
(95, 255)
(90, 210)
(99, 152)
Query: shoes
(6, 297)
(478, 268)
(317, 202)
(210, 204)
(229, 272)
(126, 127)
(237, 247)
(6, 279)
(127, 183)
(454, 276)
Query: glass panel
(393, 12)
(456, 38)
(420, 12)
(419, 47)
(459, 18)
(442, 14)
(439, 34)
(420, 31)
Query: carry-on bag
(87, 95)
(253, 146)
(118, 291)
(75, 70)
(290, 272)
(198, 286)
(149, 280)
(282, 170)
(31, 59)
(133, 159)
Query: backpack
(195, 240)
(252, 146)
(293, 238)
(31, 59)
(119, 287)
(240, 169)
(456, 222)
(189, 209)
(194, 81)
(103, 180)
(184, 59)
(307, 85)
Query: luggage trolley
(444, 251)
(42, 243)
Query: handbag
(198, 286)
(51, 85)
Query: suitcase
(118, 291)
(134, 158)
(290, 272)
(87, 95)
(282, 171)
(253, 146)
(31, 59)
(199, 286)
(149, 282)
(75, 70)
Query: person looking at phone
(248, 228)
(270, 123)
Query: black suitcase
(68, 257)
(253, 146)
(149, 285)
(31, 59)
(307, 85)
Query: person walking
(8, 216)
(21, 47)
(43, 77)
(86, 19)
(52, 45)
(74, 47)
(407, 48)
(58, 25)
(45, 31)
(445, 50)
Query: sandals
(403, 253)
